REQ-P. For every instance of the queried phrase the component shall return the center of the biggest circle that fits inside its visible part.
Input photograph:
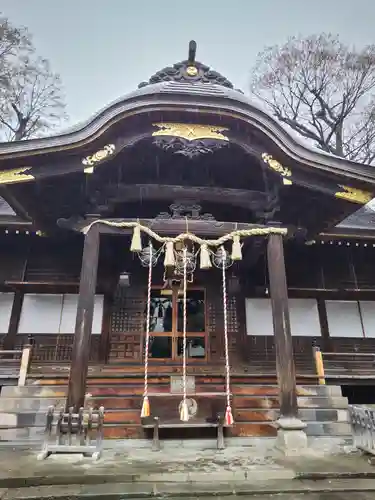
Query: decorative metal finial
(192, 51)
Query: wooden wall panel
(127, 324)
(215, 324)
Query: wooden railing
(362, 421)
(56, 348)
(16, 363)
(343, 365)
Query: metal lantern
(124, 280)
(145, 254)
(191, 262)
(222, 258)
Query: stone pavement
(127, 471)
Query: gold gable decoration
(277, 167)
(354, 195)
(16, 175)
(190, 132)
(100, 155)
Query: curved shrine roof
(191, 85)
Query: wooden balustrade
(343, 365)
(15, 363)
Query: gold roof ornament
(190, 131)
(16, 175)
(191, 71)
(277, 167)
(354, 195)
(100, 155)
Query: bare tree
(31, 98)
(323, 90)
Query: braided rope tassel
(228, 412)
(145, 412)
(184, 412)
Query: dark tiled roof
(5, 208)
(364, 218)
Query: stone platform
(126, 471)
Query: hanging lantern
(222, 258)
(148, 253)
(124, 280)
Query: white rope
(184, 329)
(148, 320)
(226, 346)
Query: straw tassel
(184, 411)
(145, 412)
(136, 245)
(205, 260)
(228, 416)
(169, 260)
(236, 248)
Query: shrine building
(180, 252)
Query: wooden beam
(250, 199)
(281, 327)
(84, 318)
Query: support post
(84, 318)
(290, 438)
(11, 337)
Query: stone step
(131, 431)
(19, 404)
(38, 418)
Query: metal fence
(362, 421)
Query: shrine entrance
(166, 325)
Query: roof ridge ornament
(189, 71)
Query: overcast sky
(103, 49)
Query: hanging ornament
(228, 416)
(136, 245)
(236, 248)
(222, 258)
(147, 255)
(169, 260)
(184, 411)
(205, 259)
(145, 412)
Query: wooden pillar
(15, 315)
(105, 337)
(85, 313)
(323, 319)
(281, 327)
